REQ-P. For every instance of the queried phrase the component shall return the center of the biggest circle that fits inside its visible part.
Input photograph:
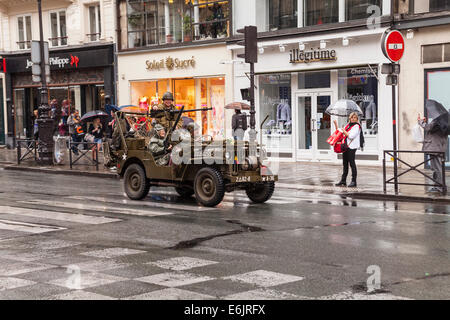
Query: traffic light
(250, 44)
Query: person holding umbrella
(96, 129)
(435, 136)
(352, 134)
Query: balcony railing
(58, 41)
(24, 44)
(93, 36)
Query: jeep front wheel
(135, 182)
(260, 192)
(209, 187)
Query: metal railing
(83, 153)
(31, 147)
(428, 156)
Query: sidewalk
(303, 176)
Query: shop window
(24, 30)
(212, 96)
(447, 52)
(314, 80)
(361, 86)
(58, 28)
(95, 29)
(142, 92)
(319, 12)
(275, 103)
(282, 14)
(19, 116)
(439, 5)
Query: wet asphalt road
(67, 237)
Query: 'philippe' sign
(298, 56)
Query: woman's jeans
(348, 157)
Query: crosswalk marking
(144, 203)
(108, 209)
(62, 216)
(27, 227)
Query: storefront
(197, 77)
(296, 84)
(80, 77)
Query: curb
(398, 198)
(65, 172)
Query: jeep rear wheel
(209, 187)
(184, 192)
(260, 192)
(135, 182)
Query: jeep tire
(135, 182)
(209, 187)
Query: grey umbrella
(343, 108)
(88, 116)
(439, 114)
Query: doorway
(313, 126)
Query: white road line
(53, 215)
(143, 203)
(27, 227)
(107, 209)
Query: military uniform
(167, 119)
(157, 149)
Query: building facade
(311, 54)
(425, 67)
(81, 36)
(177, 46)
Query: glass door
(313, 126)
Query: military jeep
(208, 181)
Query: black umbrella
(89, 116)
(438, 114)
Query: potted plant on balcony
(187, 28)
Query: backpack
(242, 122)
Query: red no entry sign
(393, 45)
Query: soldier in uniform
(156, 147)
(167, 119)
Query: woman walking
(352, 133)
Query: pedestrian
(75, 129)
(96, 129)
(239, 124)
(36, 125)
(435, 139)
(352, 132)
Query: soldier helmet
(158, 127)
(167, 96)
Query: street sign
(36, 59)
(393, 45)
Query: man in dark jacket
(239, 125)
(435, 139)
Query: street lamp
(45, 123)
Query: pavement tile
(124, 289)
(45, 275)
(264, 294)
(171, 294)
(85, 280)
(21, 267)
(98, 265)
(33, 292)
(32, 256)
(174, 279)
(182, 263)
(12, 283)
(264, 278)
(348, 295)
(112, 252)
(134, 271)
(78, 295)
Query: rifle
(166, 139)
(154, 113)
